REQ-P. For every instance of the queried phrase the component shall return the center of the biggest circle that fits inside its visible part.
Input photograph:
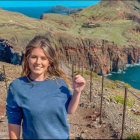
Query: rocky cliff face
(104, 56)
(7, 53)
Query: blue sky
(45, 3)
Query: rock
(133, 110)
(83, 136)
(90, 125)
(137, 112)
(2, 77)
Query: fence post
(79, 65)
(72, 68)
(5, 78)
(100, 121)
(124, 111)
(90, 83)
(82, 69)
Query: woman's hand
(78, 84)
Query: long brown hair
(53, 70)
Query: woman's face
(38, 62)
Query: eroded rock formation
(104, 56)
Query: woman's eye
(33, 56)
(44, 58)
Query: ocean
(34, 12)
(130, 75)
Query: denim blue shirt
(41, 108)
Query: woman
(41, 99)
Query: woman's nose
(38, 60)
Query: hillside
(118, 21)
(60, 9)
(98, 35)
(18, 29)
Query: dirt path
(83, 125)
(3, 128)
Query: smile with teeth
(37, 67)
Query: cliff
(63, 10)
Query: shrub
(122, 83)
(126, 85)
(111, 86)
(120, 99)
(117, 82)
(87, 72)
(134, 136)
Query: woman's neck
(37, 77)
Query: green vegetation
(110, 25)
(127, 85)
(122, 84)
(134, 136)
(111, 85)
(103, 21)
(120, 99)
(86, 72)
(58, 17)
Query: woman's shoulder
(61, 81)
(19, 80)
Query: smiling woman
(38, 64)
(41, 99)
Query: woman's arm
(78, 85)
(14, 131)
(73, 103)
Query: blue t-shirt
(41, 108)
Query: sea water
(130, 75)
(34, 12)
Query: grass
(111, 85)
(86, 72)
(111, 30)
(64, 18)
(120, 99)
(123, 84)
(134, 136)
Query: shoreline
(124, 72)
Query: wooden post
(124, 111)
(79, 65)
(100, 121)
(72, 69)
(5, 78)
(82, 69)
(90, 83)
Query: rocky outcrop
(60, 9)
(109, 57)
(7, 53)
(104, 56)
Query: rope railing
(134, 94)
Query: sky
(37, 3)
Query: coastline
(121, 75)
